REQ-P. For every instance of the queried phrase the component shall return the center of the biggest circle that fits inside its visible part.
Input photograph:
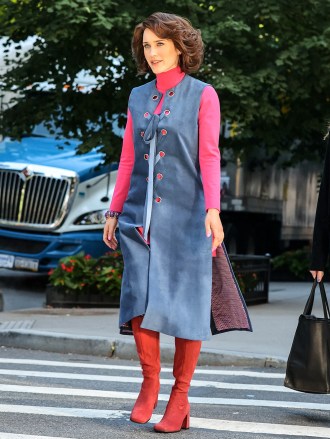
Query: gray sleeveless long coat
(170, 280)
(173, 281)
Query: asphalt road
(80, 397)
(22, 290)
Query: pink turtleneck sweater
(209, 154)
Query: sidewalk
(95, 331)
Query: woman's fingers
(317, 274)
(112, 243)
(213, 227)
(109, 237)
(218, 237)
(320, 275)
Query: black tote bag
(308, 366)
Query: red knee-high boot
(147, 346)
(177, 413)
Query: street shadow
(20, 280)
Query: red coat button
(142, 133)
(147, 178)
(167, 112)
(155, 97)
(146, 114)
(158, 200)
(146, 156)
(160, 176)
(164, 132)
(171, 93)
(162, 153)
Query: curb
(208, 357)
(103, 346)
(57, 342)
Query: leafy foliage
(268, 60)
(296, 262)
(83, 274)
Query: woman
(321, 236)
(167, 200)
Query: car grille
(22, 245)
(34, 199)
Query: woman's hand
(109, 236)
(214, 227)
(317, 274)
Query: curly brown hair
(186, 39)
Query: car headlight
(91, 218)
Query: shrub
(296, 262)
(83, 274)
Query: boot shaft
(147, 347)
(185, 361)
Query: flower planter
(69, 299)
(252, 273)
(85, 282)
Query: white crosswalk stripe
(162, 397)
(29, 436)
(118, 379)
(75, 398)
(198, 371)
(202, 423)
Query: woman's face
(160, 53)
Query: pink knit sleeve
(209, 154)
(125, 168)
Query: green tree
(268, 60)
